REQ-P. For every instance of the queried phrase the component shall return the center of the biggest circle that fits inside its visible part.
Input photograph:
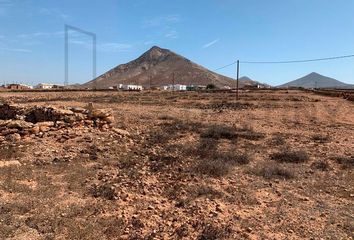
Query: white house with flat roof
(176, 87)
(130, 87)
(45, 86)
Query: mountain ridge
(316, 80)
(158, 67)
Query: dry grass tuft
(213, 232)
(290, 156)
(345, 162)
(271, 170)
(320, 138)
(9, 152)
(219, 132)
(321, 165)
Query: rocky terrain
(158, 67)
(274, 165)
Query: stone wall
(17, 121)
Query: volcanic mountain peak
(314, 74)
(156, 53)
(159, 67)
(315, 80)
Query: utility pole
(150, 81)
(238, 75)
(173, 82)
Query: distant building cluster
(130, 87)
(170, 87)
(20, 86)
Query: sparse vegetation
(212, 232)
(321, 138)
(9, 152)
(180, 167)
(219, 132)
(219, 164)
(271, 170)
(321, 165)
(290, 156)
(230, 133)
(345, 162)
(205, 191)
(278, 140)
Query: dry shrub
(217, 163)
(345, 162)
(321, 165)
(205, 191)
(161, 162)
(220, 164)
(290, 156)
(166, 117)
(226, 132)
(321, 138)
(213, 168)
(271, 170)
(106, 191)
(213, 232)
(251, 135)
(278, 140)
(8, 152)
(205, 148)
(219, 132)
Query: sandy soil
(275, 165)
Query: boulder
(19, 124)
(62, 112)
(100, 113)
(121, 132)
(109, 119)
(15, 137)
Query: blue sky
(212, 33)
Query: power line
(301, 61)
(228, 65)
(287, 62)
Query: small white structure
(45, 86)
(130, 87)
(176, 87)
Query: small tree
(210, 86)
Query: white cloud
(172, 34)
(41, 34)
(114, 47)
(209, 44)
(110, 47)
(53, 12)
(15, 50)
(162, 20)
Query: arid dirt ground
(275, 165)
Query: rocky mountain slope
(158, 67)
(315, 80)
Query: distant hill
(158, 67)
(246, 81)
(315, 80)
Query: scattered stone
(121, 132)
(13, 137)
(9, 163)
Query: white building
(45, 86)
(130, 87)
(176, 87)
